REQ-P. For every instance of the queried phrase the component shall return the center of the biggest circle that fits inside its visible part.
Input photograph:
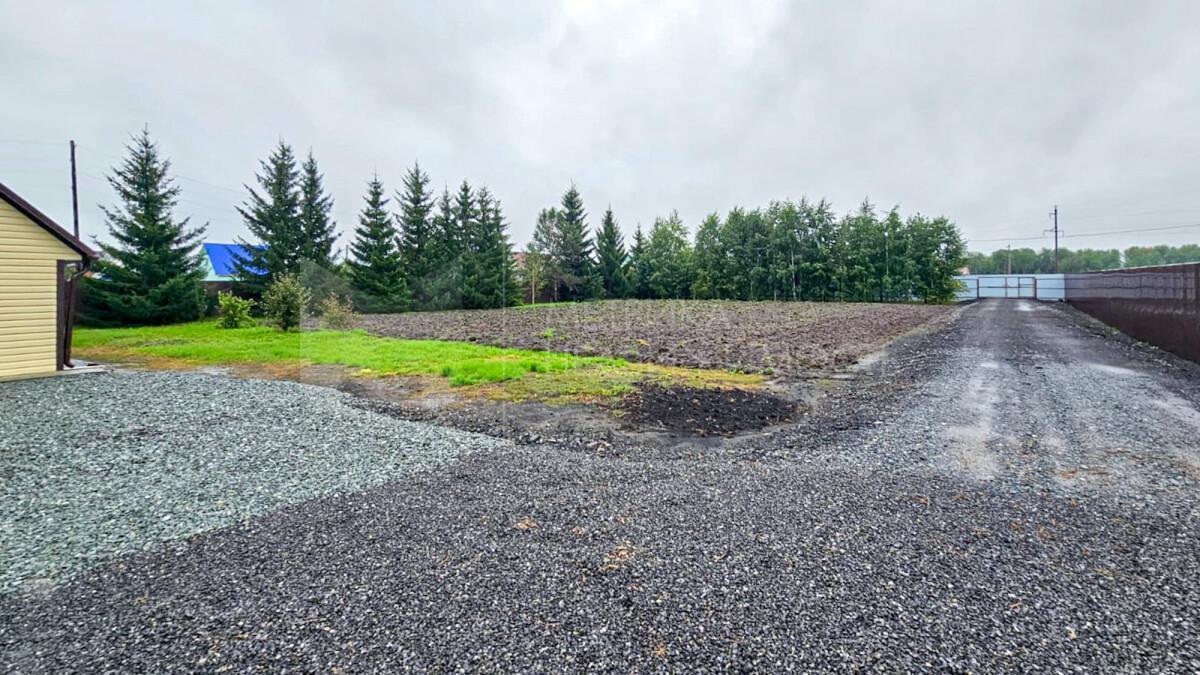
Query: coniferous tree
(273, 218)
(572, 255)
(418, 238)
(443, 284)
(153, 272)
(376, 268)
(639, 270)
(489, 280)
(319, 230)
(611, 257)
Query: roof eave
(29, 211)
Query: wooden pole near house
(74, 191)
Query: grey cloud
(988, 113)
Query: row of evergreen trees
(1030, 261)
(453, 251)
(454, 254)
(449, 255)
(787, 251)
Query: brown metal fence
(1159, 305)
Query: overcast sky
(986, 112)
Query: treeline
(1029, 261)
(414, 250)
(786, 251)
(450, 254)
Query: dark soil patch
(705, 412)
(787, 339)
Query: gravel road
(1016, 491)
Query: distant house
(40, 263)
(220, 271)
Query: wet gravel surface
(98, 465)
(1015, 492)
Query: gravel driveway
(99, 465)
(1013, 492)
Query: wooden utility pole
(74, 191)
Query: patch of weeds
(608, 383)
(596, 383)
(547, 334)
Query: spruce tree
(445, 280)
(639, 269)
(611, 257)
(507, 290)
(489, 279)
(319, 230)
(153, 272)
(573, 250)
(273, 218)
(418, 238)
(376, 268)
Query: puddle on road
(1178, 407)
(1027, 306)
(1114, 370)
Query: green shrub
(336, 312)
(234, 311)
(284, 302)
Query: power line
(1134, 231)
(982, 241)
(20, 142)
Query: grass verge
(495, 373)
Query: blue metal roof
(220, 258)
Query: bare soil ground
(705, 412)
(787, 339)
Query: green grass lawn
(495, 373)
(205, 343)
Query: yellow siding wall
(28, 294)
